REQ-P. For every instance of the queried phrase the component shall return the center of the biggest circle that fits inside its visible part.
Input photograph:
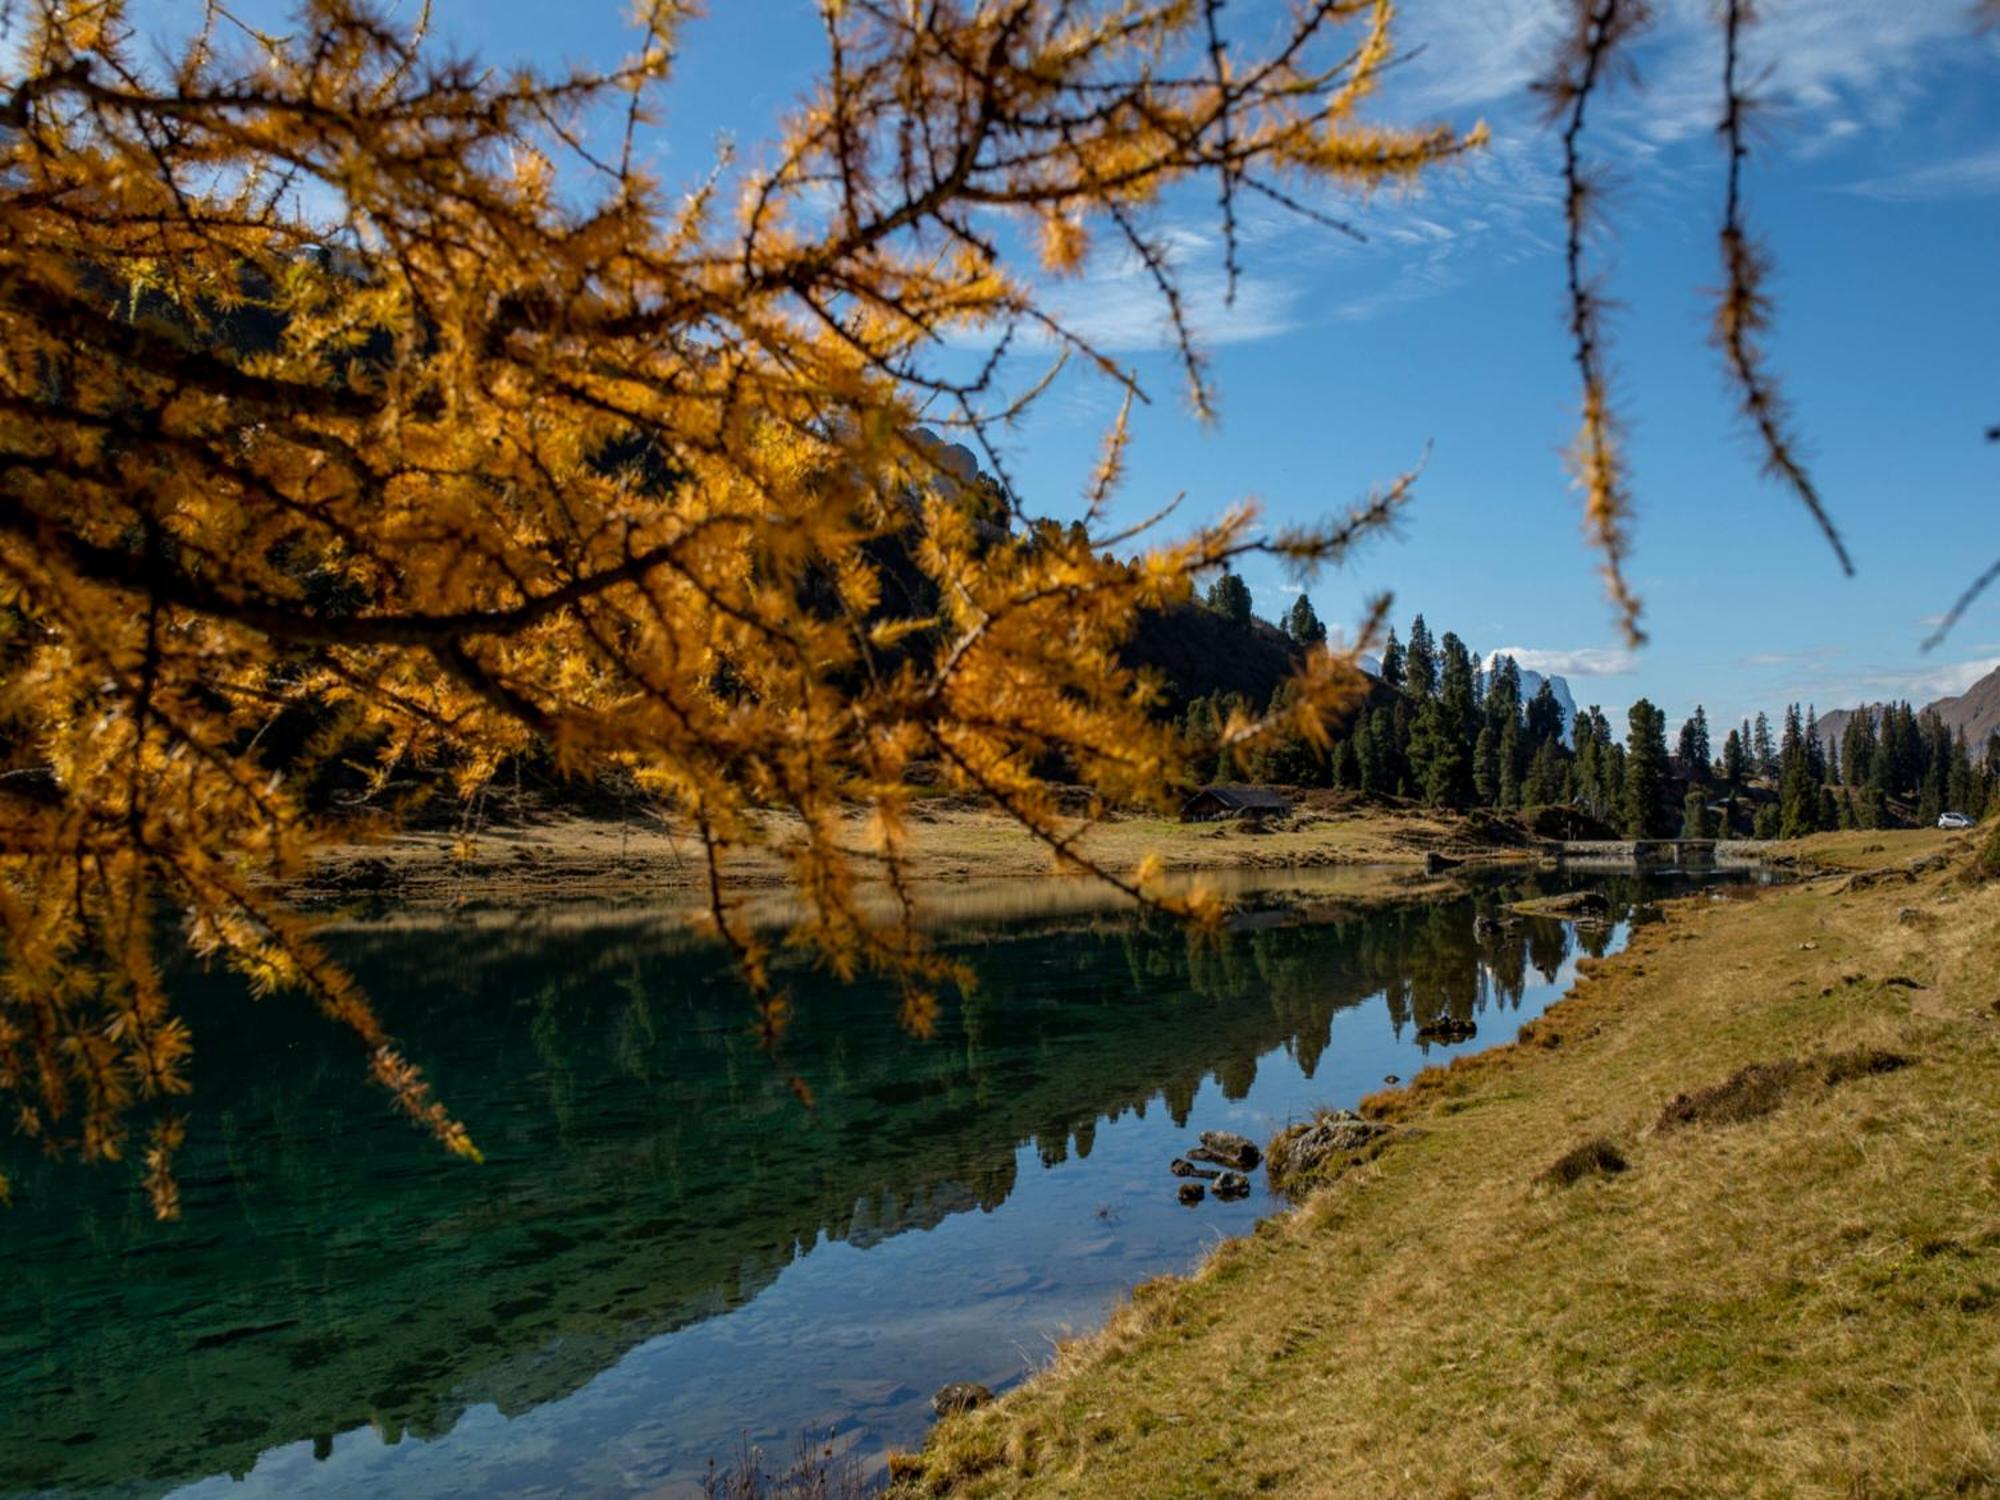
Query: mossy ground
(1803, 1302)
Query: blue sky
(1876, 185)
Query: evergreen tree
(1544, 784)
(1229, 596)
(1732, 759)
(1420, 670)
(1440, 760)
(1392, 660)
(1507, 775)
(1303, 625)
(1645, 770)
(1457, 688)
(1545, 716)
(1763, 754)
(1692, 750)
(1486, 765)
(1765, 824)
(1798, 795)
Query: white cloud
(1581, 661)
(1822, 678)
(1118, 308)
(1965, 177)
(1809, 57)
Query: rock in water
(1181, 1167)
(1192, 1192)
(960, 1395)
(1226, 1150)
(1232, 1185)
(1447, 1029)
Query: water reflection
(648, 1170)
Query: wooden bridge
(1665, 854)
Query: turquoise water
(664, 1251)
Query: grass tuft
(1747, 1094)
(1861, 1062)
(1596, 1157)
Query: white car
(1954, 820)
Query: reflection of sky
(853, 1340)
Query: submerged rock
(960, 1395)
(1192, 1192)
(1226, 1149)
(1232, 1185)
(1182, 1167)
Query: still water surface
(664, 1251)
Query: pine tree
(1692, 750)
(1732, 759)
(1303, 625)
(1420, 670)
(1508, 768)
(1486, 765)
(1545, 716)
(1763, 753)
(1392, 660)
(1645, 770)
(1440, 760)
(1229, 596)
(1798, 795)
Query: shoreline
(1545, 1256)
(953, 843)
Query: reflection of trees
(647, 1164)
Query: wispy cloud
(1580, 661)
(1825, 677)
(1971, 176)
(1117, 305)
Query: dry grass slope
(1802, 1302)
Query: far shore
(568, 858)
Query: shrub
(1594, 1158)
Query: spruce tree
(1229, 596)
(1732, 759)
(1440, 760)
(1798, 795)
(1645, 770)
(1392, 660)
(1486, 766)
(1303, 625)
(1420, 669)
(1545, 716)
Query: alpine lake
(666, 1255)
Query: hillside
(1976, 712)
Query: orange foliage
(340, 379)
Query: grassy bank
(1792, 1287)
(564, 857)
